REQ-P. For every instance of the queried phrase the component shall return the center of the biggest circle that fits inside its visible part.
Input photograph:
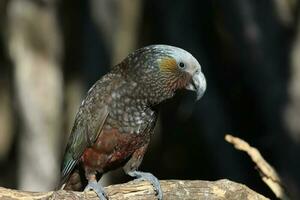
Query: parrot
(116, 120)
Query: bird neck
(153, 93)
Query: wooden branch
(172, 190)
(267, 172)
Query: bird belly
(111, 150)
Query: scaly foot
(93, 185)
(144, 176)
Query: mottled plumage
(115, 122)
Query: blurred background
(52, 51)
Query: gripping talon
(93, 185)
(144, 176)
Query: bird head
(161, 70)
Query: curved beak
(197, 84)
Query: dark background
(248, 51)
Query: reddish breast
(111, 149)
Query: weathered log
(172, 189)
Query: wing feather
(88, 125)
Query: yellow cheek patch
(168, 64)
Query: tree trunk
(34, 46)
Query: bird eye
(181, 65)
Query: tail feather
(68, 165)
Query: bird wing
(82, 137)
(88, 124)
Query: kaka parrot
(115, 121)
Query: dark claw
(144, 176)
(93, 185)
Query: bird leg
(131, 169)
(95, 186)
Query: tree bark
(172, 189)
